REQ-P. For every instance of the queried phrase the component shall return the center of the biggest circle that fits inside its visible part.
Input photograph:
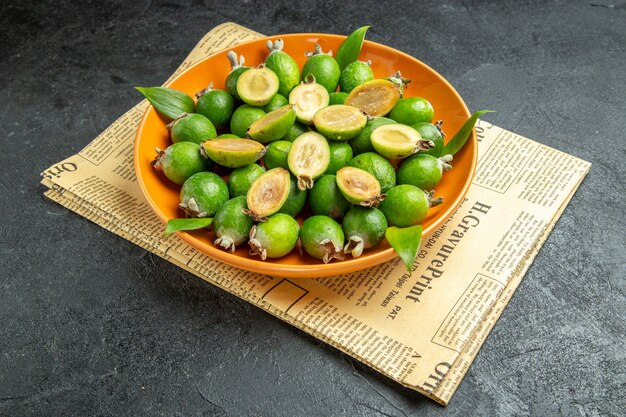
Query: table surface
(106, 328)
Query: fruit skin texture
(410, 111)
(296, 199)
(363, 227)
(202, 194)
(285, 67)
(217, 106)
(231, 81)
(276, 103)
(243, 117)
(340, 155)
(274, 238)
(180, 161)
(240, 179)
(296, 130)
(232, 226)
(338, 97)
(276, 154)
(322, 238)
(378, 167)
(423, 171)
(362, 143)
(405, 205)
(324, 68)
(192, 127)
(355, 74)
(326, 199)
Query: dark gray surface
(104, 328)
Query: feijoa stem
(204, 90)
(156, 163)
(255, 246)
(226, 243)
(332, 251)
(354, 246)
(374, 201)
(433, 201)
(232, 57)
(445, 162)
(191, 209)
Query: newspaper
(423, 330)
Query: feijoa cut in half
(257, 86)
(397, 141)
(233, 153)
(359, 186)
(308, 158)
(274, 125)
(374, 98)
(308, 98)
(339, 122)
(268, 193)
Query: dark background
(93, 325)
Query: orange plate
(163, 196)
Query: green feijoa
(275, 237)
(326, 199)
(231, 224)
(363, 227)
(296, 130)
(276, 103)
(322, 238)
(243, 117)
(240, 179)
(233, 153)
(339, 122)
(192, 127)
(237, 69)
(406, 205)
(308, 98)
(268, 193)
(412, 110)
(274, 125)
(398, 141)
(338, 97)
(180, 161)
(216, 105)
(257, 86)
(276, 154)
(362, 142)
(378, 166)
(355, 74)
(296, 199)
(433, 133)
(340, 155)
(359, 186)
(285, 67)
(227, 136)
(308, 158)
(202, 194)
(323, 67)
(423, 171)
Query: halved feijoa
(308, 98)
(274, 125)
(339, 122)
(359, 186)
(375, 98)
(233, 153)
(308, 158)
(257, 86)
(397, 141)
(268, 193)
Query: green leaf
(350, 48)
(405, 241)
(174, 225)
(167, 101)
(456, 143)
